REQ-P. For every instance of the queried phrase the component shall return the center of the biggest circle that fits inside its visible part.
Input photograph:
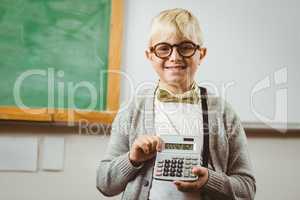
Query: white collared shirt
(176, 118)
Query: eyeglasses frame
(196, 47)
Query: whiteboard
(252, 49)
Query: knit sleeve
(115, 170)
(238, 181)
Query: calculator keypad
(177, 168)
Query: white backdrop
(251, 51)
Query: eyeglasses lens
(185, 49)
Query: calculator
(177, 157)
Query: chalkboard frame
(113, 86)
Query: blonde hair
(176, 21)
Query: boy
(177, 105)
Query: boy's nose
(175, 55)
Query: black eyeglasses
(163, 50)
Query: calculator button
(160, 165)
(186, 174)
(179, 174)
(179, 170)
(166, 169)
(167, 161)
(160, 161)
(172, 174)
(158, 174)
(165, 174)
(159, 170)
(188, 158)
(194, 162)
(187, 162)
(180, 161)
(173, 170)
(167, 165)
(194, 158)
(174, 161)
(187, 167)
(179, 165)
(173, 165)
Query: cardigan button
(146, 183)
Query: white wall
(76, 182)
(275, 161)
(247, 42)
(276, 166)
(275, 158)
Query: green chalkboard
(54, 53)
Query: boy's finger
(200, 171)
(159, 144)
(139, 145)
(143, 144)
(185, 186)
(153, 143)
(147, 143)
(147, 147)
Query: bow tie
(190, 97)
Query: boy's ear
(202, 54)
(148, 55)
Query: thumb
(200, 171)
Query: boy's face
(176, 70)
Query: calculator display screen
(179, 146)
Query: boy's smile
(175, 67)
(173, 70)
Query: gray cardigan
(230, 171)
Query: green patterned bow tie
(190, 97)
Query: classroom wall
(76, 182)
(275, 158)
(274, 154)
(250, 44)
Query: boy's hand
(186, 186)
(144, 148)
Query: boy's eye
(185, 47)
(163, 48)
